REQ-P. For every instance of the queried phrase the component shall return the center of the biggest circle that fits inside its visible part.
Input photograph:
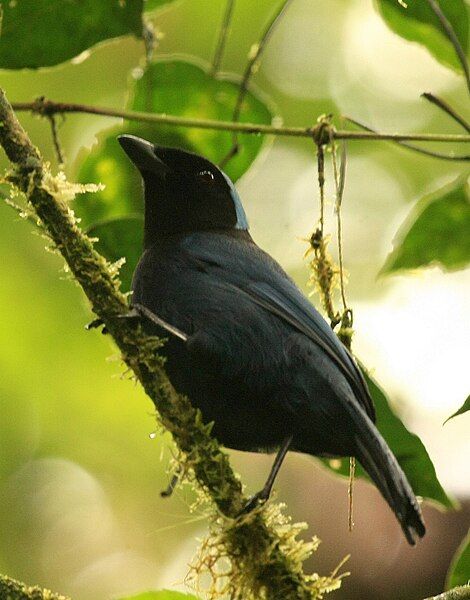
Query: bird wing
(253, 273)
(309, 322)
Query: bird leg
(139, 311)
(263, 494)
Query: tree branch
(255, 54)
(414, 148)
(452, 36)
(10, 589)
(458, 593)
(267, 558)
(445, 106)
(48, 107)
(224, 28)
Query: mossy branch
(10, 589)
(457, 593)
(265, 555)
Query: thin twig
(454, 40)
(253, 58)
(352, 473)
(345, 332)
(457, 593)
(219, 51)
(321, 185)
(22, 212)
(150, 38)
(404, 144)
(443, 105)
(339, 177)
(323, 269)
(45, 107)
(55, 139)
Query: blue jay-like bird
(245, 344)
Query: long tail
(383, 468)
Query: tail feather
(383, 468)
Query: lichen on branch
(10, 589)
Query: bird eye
(206, 176)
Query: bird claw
(168, 491)
(255, 501)
(132, 315)
(95, 324)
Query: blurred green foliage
(41, 33)
(150, 5)
(459, 572)
(121, 237)
(463, 409)
(162, 595)
(417, 22)
(439, 232)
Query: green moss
(10, 589)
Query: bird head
(183, 192)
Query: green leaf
(40, 33)
(463, 409)
(118, 238)
(437, 231)
(459, 571)
(154, 4)
(185, 89)
(162, 595)
(179, 88)
(406, 446)
(418, 23)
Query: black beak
(142, 154)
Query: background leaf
(108, 164)
(439, 232)
(150, 5)
(121, 237)
(179, 88)
(71, 27)
(459, 571)
(185, 89)
(463, 409)
(408, 449)
(418, 23)
(161, 595)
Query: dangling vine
(325, 274)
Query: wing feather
(245, 267)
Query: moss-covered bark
(10, 589)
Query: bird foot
(132, 315)
(255, 501)
(95, 324)
(168, 491)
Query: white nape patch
(242, 221)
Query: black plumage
(259, 360)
